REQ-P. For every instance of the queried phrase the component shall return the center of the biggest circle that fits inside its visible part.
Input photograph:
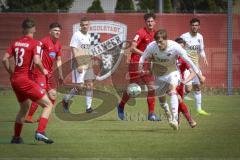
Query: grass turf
(216, 136)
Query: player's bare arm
(59, 66)
(37, 61)
(6, 63)
(205, 61)
(134, 48)
(202, 78)
(190, 77)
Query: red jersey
(143, 37)
(50, 52)
(182, 66)
(23, 50)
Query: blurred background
(220, 27)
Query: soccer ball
(133, 90)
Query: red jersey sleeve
(138, 37)
(37, 48)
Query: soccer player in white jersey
(195, 49)
(83, 73)
(164, 53)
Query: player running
(195, 48)
(164, 54)
(26, 51)
(51, 52)
(183, 67)
(143, 37)
(83, 75)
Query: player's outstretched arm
(6, 63)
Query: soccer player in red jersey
(26, 51)
(51, 52)
(142, 38)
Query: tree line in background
(169, 6)
(37, 5)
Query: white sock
(72, 93)
(165, 106)
(198, 99)
(174, 105)
(89, 96)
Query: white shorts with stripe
(163, 82)
(87, 74)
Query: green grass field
(216, 136)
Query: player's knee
(188, 90)
(45, 102)
(197, 89)
(89, 86)
(53, 94)
(180, 98)
(197, 92)
(151, 87)
(172, 92)
(23, 111)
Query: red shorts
(136, 77)
(45, 82)
(180, 89)
(26, 88)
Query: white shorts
(87, 74)
(163, 82)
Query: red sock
(184, 110)
(151, 101)
(179, 110)
(17, 129)
(32, 109)
(42, 125)
(124, 100)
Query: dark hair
(55, 25)
(194, 20)
(161, 33)
(84, 19)
(27, 24)
(180, 40)
(149, 15)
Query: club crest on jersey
(107, 40)
(52, 54)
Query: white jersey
(82, 43)
(165, 60)
(194, 46)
